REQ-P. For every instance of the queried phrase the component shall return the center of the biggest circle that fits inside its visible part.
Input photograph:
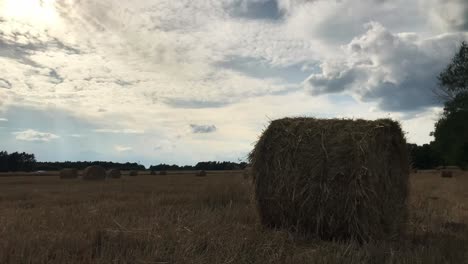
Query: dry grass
(186, 219)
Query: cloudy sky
(164, 81)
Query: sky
(163, 81)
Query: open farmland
(180, 218)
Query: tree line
(81, 165)
(25, 162)
(16, 161)
(205, 165)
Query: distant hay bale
(446, 174)
(152, 172)
(133, 173)
(332, 179)
(68, 174)
(201, 173)
(163, 172)
(94, 173)
(114, 174)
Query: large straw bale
(332, 179)
(94, 173)
(133, 173)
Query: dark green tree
(3, 161)
(423, 157)
(451, 130)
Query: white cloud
(399, 71)
(332, 22)
(33, 135)
(3, 119)
(120, 148)
(447, 15)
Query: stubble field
(180, 218)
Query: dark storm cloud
(413, 93)
(202, 129)
(338, 83)
(409, 95)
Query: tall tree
(451, 130)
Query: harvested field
(179, 218)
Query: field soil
(180, 218)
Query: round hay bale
(163, 172)
(68, 174)
(332, 179)
(152, 172)
(114, 174)
(201, 173)
(133, 173)
(94, 173)
(446, 174)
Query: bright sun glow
(39, 12)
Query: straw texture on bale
(68, 174)
(94, 173)
(114, 174)
(332, 179)
(201, 173)
(133, 173)
(163, 172)
(446, 174)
